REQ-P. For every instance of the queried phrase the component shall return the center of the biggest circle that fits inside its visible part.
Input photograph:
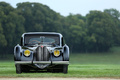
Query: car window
(42, 39)
(39, 40)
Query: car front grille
(42, 53)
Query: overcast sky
(64, 7)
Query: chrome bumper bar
(41, 62)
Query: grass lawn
(81, 65)
(7, 69)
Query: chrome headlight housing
(56, 53)
(27, 53)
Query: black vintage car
(41, 51)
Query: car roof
(41, 33)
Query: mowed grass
(81, 65)
(7, 69)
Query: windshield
(32, 39)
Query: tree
(11, 27)
(3, 41)
(113, 12)
(95, 32)
(74, 32)
(101, 25)
(38, 17)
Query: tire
(39, 55)
(18, 69)
(65, 69)
(46, 54)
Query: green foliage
(103, 28)
(11, 27)
(96, 32)
(3, 41)
(38, 17)
(113, 12)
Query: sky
(65, 7)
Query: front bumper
(41, 62)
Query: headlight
(27, 53)
(56, 53)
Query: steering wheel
(34, 41)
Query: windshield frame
(50, 35)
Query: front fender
(17, 52)
(66, 53)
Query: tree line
(96, 32)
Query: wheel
(46, 54)
(39, 55)
(18, 69)
(65, 69)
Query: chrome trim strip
(42, 62)
(23, 62)
(60, 62)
